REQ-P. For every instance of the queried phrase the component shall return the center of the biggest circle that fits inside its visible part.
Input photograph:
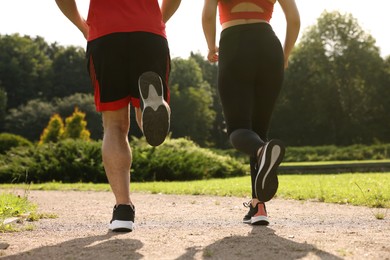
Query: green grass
(363, 189)
(372, 190)
(12, 205)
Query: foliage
(191, 102)
(30, 68)
(68, 161)
(199, 122)
(25, 120)
(337, 153)
(210, 75)
(8, 141)
(325, 153)
(24, 68)
(69, 73)
(3, 106)
(85, 102)
(180, 159)
(53, 131)
(28, 120)
(75, 126)
(77, 160)
(334, 89)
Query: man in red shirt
(129, 64)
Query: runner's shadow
(261, 243)
(105, 246)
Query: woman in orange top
(251, 63)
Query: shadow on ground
(96, 247)
(261, 243)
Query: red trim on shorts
(114, 105)
(136, 102)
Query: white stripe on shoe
(274, 157)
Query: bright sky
(43, 18)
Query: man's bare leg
(116, 153)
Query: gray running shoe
(155, 112)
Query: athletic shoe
(256, 215)
(155, 113)
(122, 218)
(266, 182)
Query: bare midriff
(241, 21)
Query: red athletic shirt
(110, 16)
(225, 7)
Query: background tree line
(336, 91)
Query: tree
(54, 130)
(191, 114)
(69, 72)
(185, 72)
(191, 102)
(210, 74)
(3, 106)
(24, 68)
(329, 85)
(28, 120)
(85, 102)
(75, 126)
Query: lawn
(364, 189)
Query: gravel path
(197, 227)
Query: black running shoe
(122, 218)
(266, 182)
(156, 112)
(256, 215)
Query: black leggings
(250, 76)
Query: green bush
(8, 141)
(324, 153)
(180, 159)
(80, 161)
(336, 153)
(66, 161)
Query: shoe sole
(247, 221)
(155, 115)
(121, 226)
(259, 221)
(266, 182)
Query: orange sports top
(111, 16)
(226, 15)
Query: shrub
(180, 159)
(337, 153)
(53, 131)
(66, 161)
(80, 161)
(75, 126)
(8, 141)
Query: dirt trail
(197, 227)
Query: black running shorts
(116, 61)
